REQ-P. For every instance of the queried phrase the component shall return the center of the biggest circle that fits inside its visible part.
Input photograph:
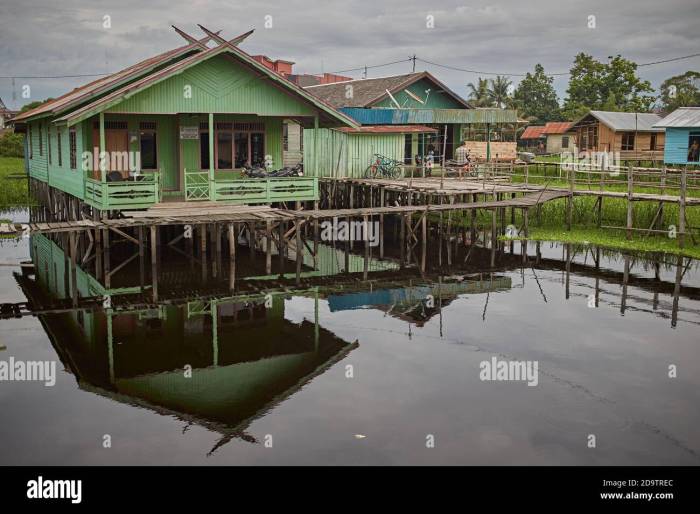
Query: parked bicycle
(383, 167)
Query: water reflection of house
(418, 304)
(245, 356)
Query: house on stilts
(179, 126)
(407, 118)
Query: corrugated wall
(348, 155)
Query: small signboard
(189, 132)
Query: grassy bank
(13, 192)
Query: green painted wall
(437, 99)
(348, 155)
(216, 85)
(48, 170)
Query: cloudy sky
(500, 36)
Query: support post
(154, 261)
(630, 192)
(232, 257)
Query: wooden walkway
(197, 213)
(453, 186)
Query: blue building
(682, 136)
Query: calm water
(343, 371)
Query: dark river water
(341, 370)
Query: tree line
(593, 85)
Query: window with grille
(59, 150)
(48, 142)
(73, 148)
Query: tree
(32, 105)
(611, 86)
(479, 94)
(499, 92)
(680, 91)
(535, 97)
(11, 145)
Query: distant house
(420, 99)
(559, 137)
(632, 134)
(5, 115)
(533, 139)
(682, 128)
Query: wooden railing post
(630, 191)
(681, 207)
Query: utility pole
(413, 58)
(364, 74)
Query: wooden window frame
(652, 142)
(622, 142)
(237, 128)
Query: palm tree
(479, 94)
(499, 92)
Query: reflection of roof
(556, 127)
(682, 117)
(410, 303)
(626, 121)
(366, 92)
(532, 132)
(387, 129)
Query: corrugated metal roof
(682, 117)
(381, 116)
(366, 92)
(387, 129)
(556, 127)
(533, 132)
(628, 121)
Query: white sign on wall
(189, 132)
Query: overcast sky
(67, 37)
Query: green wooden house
(177, 126)
(405, 117)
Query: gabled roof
(533, 132)
(102, 85)
(556, 127)
(625, 121)
(367, 92)
(681, 117)
(118, 88)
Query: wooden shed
(347, 152)
(632, 135)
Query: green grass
(613, 239)
(13, 192)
